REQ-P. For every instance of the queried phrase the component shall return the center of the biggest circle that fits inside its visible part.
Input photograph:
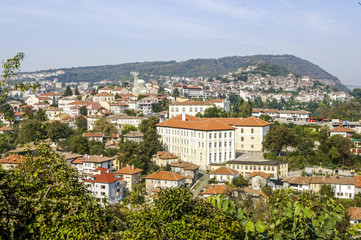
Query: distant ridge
(194, 68)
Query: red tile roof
(95, 158)
(357, 181)
(224, 171)
(262, 174)
(6, 128)
(165, 175)
(87, 135)
(130, 170)
(252, 122)
(165, 155)
(101, 169)
(14, 159)
(104, 177)
(185, 165)
(342, 129)
(354, 213)
(191, 122)
(217, 189)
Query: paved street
(199, 185)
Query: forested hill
(195, 67)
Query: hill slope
(196, 67)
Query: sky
(64, 33)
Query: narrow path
(203, 181)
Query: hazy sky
(55, 33)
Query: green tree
(67, 92)
(240, 181)
(77, 144)
(127, 128)
(279, 137)
(58, 130)
(327, 191)
(104, 126)
(42, 199)
(40, 115)
(76, 91)
(116, 96)
(10, 69)
(136, 196)
(8, 112)
(148, 123)
(96, 148)
(343, 147)
(214, 112)
(176, 92)
(81, 123)
(129, 112)
(32, 130)
(83, 111)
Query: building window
(241, 130)
(220, 135)
(225, 134)
(215, 144)
(215, 135)
(252, 130)
(210, 145)
(242, 139)
(237, 167)
(246, 167)
(102, 186)
(102, 193)
(252, 146)
(210, 136)
(252, 138)
(220, 144)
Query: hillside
(195, 67)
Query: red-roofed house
(131, 176)
(94, 136)
(163, 158)
(163, 179)
(259, 179)
(217, 189)
(106, 185)
(345, 132)
(5, 129)
(11, 161)
(355, 214)
(224, 174)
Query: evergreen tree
(67, 92)
(76, 91)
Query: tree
(116, 96)
(327, 191)
(127, 128)
(8, 112)
(32, 130)
(40, 115)
(278, 138)
(240, 181)
(45, 186)
(176, 92)
(58, 130)
(129, 112)
(148, 123)
(343, 147)
(10, 69)
(67, 92)
(83, 111)
(81, 123)
(104, 126)
(214, 112)
(76, 91)
(28, 112)
(77, 144)
(136, 196)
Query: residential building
(163, 179)
(259, 180)
(94, 136)
(87, 164)
(345, 132)
(276, 169)
(105, 185)
(216, 189)
(131, 176)
(135, 136)
(164, 158)
(187, 169)
(354, 214)
(118, 107)
(224, 174)
(11, 161)
(102, 98)
(120, 120)
(5, 129)
(198, 140)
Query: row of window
(251, 167)
(184, 109)
(193, 134)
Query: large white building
(193, 107)
(199, 141)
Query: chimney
(183, 116)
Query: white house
(106, 185)
(94, 136)
(345, 132)
(163, 179)
(224, 174)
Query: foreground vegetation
(42, 199)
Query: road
(199, 185)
